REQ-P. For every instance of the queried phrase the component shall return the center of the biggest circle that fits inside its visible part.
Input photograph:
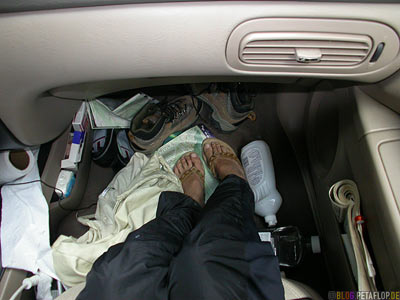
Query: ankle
(196, 195)
(227, 168)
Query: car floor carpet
(295, 209)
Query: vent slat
(308, 44)
(283, 52)
(341, 58)
(268, 50)
(269, 57)
(295, 63)
(324, 51)
(344, 52)
(292, 57)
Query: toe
(223, 149)
(184, 163)
(214, 148)
(208, 150)
(176, 170)
(197, 163)
(188, 161)
(179, 166)
(219, 150)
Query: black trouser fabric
(191, 253)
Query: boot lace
(173, 111)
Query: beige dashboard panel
(381, 201)
(386, 91)
(318, 46)
(44, 50)
(389, 153)
(378, 134)
(372, 116)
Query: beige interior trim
(10, 282)
(50, 175)
(342, 48)
(72, 293)
(376, 165)
(48, 49)
(372, 116)
(387, 91)
(90, 90)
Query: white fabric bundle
(129, 201)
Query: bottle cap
(270, 220)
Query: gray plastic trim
(10, 6)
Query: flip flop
(211, 161)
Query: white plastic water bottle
(259, 169)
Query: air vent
(325, 48)
(304, 48)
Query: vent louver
(304, 48)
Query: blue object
(78, 137)
(70, 186)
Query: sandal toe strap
(211, 160)
(190, 172)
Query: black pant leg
(223, 257)
(138, 268)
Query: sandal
(211, 161)
(192, 170)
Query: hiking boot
(230, 104)
(156, 121)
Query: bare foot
(224, 165)
(190, 171)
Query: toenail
(193, 155)
(207, 146)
